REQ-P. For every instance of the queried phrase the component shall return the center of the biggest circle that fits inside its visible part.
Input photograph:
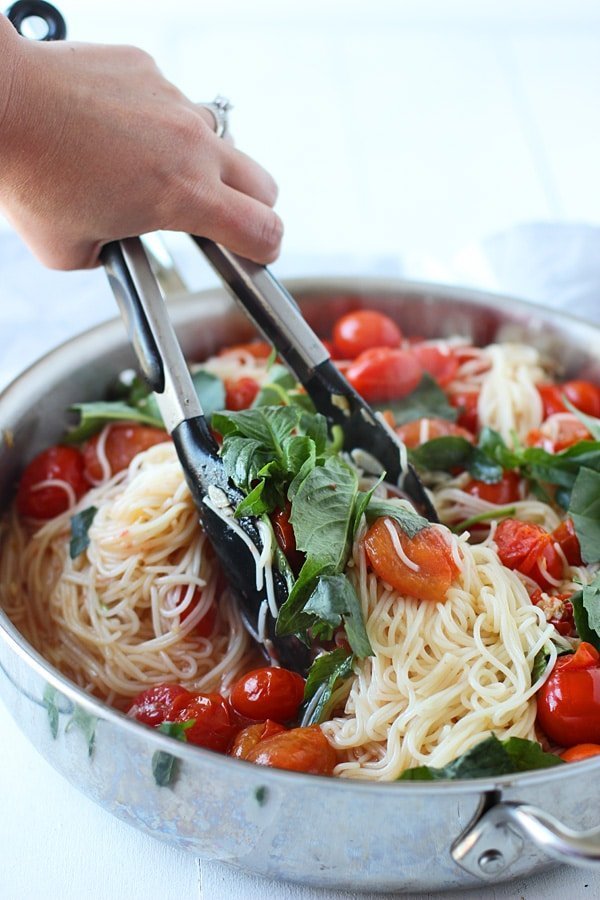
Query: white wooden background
(402, 134)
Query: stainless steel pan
(320, 831)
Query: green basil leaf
(267, 425)
(427, 401)
(80, 526)
(94, 416)
(324, 677)
(584, 509)
(442, 454)
(585, 604)
(276, 391)
(210, 390)
(409, 521)
(254, 504)
(334, 600)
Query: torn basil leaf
(334, 600)
(586, 612)
(80, 526)
(326, 674)
(409, 521)
(488, 759)
(445, 454)
(584, 509)
(427, 401)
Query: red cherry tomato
(240, 394)
(427, 549)
(505, 491)
(584, 395)
(363, 330)
(568, 541)
(529, 549)
(441, 366)
(384, 374)
(58, 463)
(213, 727)
(269, 693)
(410, 433)
(568, 703)
(299, 750)
(466, 402)
(257, 349)
(286, 538)
(248, 738)
(122, 443)
(205, 626)
(565, 431)
(155, 704)
(580, 751)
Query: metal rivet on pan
(491, 861)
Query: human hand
(96, 145)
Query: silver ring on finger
(219, 109)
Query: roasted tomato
(417, 432)
(580, 751)
(508, 490)
(269, 693)
(529, 549)
(286, 538)
(466, 402)
(299, 750)
(156, 704)
(205, 626)
(247, 739)
(384, 374)
(557, 433)
(428, 550)
(57, 464)
(213, 726)
(568, 542)
(257, 349)
(240, 394)
(363, 330)
(568, 704)
(439, 364)
(584, 395)
(123, 441)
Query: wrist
(10, 79)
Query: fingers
(241, 173)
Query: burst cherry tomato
(299, 750)
(441, 366)
(363, 330)
(466, 402)
(568, 703)
(428, 549)
(558, 433)
(156, 704)
(205, 626)
(580, 751)
(269, 693)
(58, 463)
(568, 541)
(257, 349)
(384, 374)
(529, 549)
(286, 538)
(420, 430)
(213, 727)
(123, 442)
(505, 491)
(240, 394)
(584, 395)
(249, 737)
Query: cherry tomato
(568, 703)
(384, 374)
(248, 738)
(123, 441)
(213, 727)
(466, 402)
(269, 693)
(240, 394)
(257, 349)
(299, 750)
(428, 549)
(58, 463)
(568, 542)
(584, 395)
(580, 751)
(363, 330)
(205, 626)
(410, 433)
(286, 538)
(155, 704)
(557, 434)
(505, 491)
(441, 366)
(529, 549)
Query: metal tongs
(268, 304)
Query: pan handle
(495, 840)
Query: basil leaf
(291, 618)
(93, 417)
(334, 599)
(210, 390)
(586, 604)
(243, 460)
(444, 454)
(80, 525)
(363, 499)
(540, 664)
(324, 677)
(427, 401)
(584, 509)
(267, 425)
(254, 504)
(487, 759)
(276, 391)
(409, 521)
(164, 765)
